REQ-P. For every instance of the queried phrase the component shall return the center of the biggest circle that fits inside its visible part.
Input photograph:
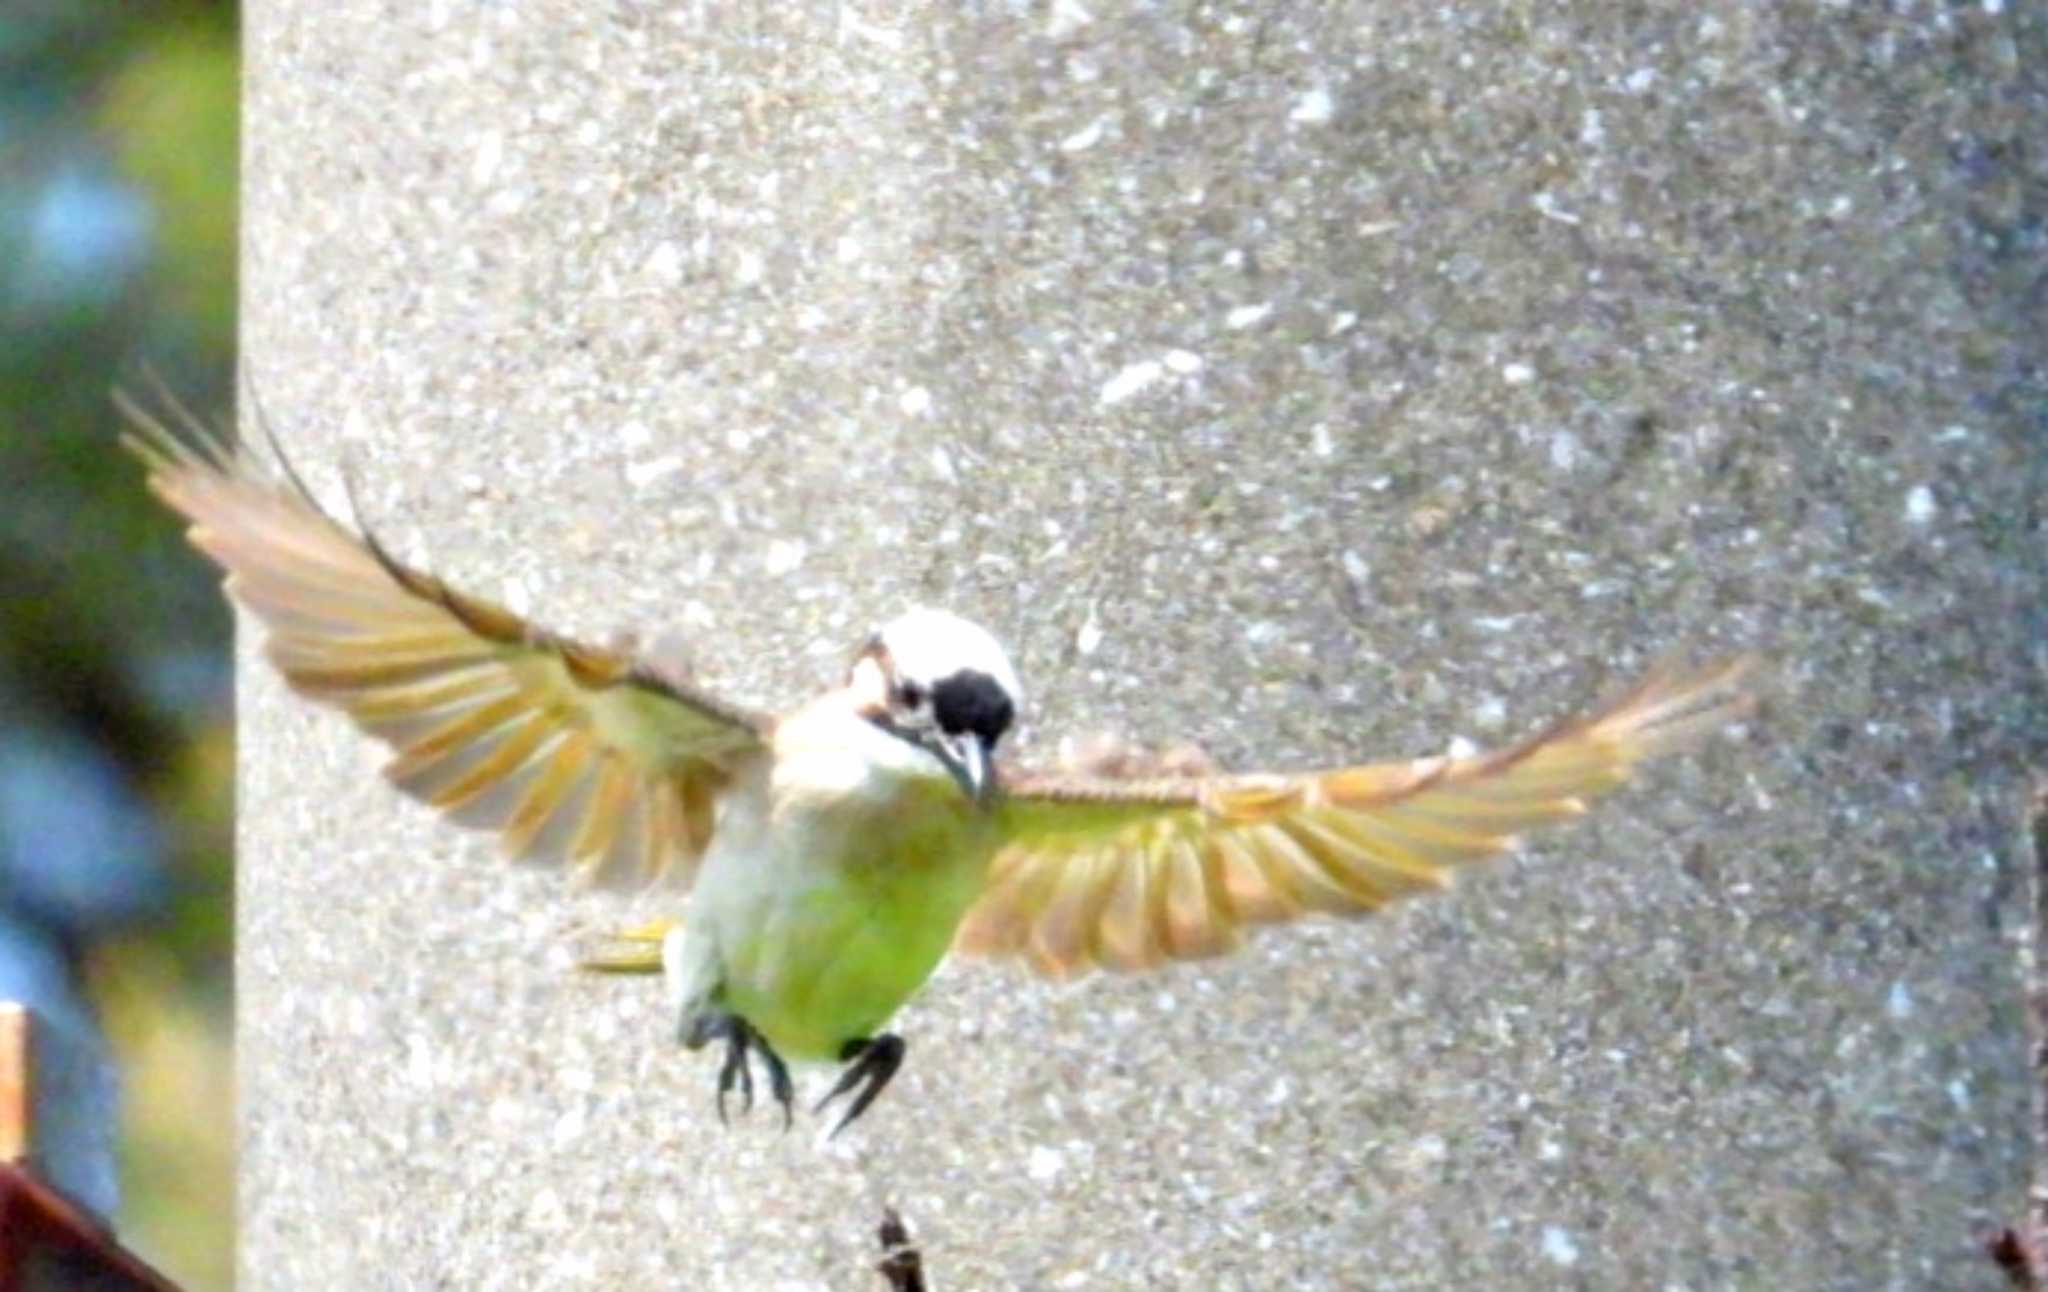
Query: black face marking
(973, 701)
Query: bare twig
(901, 1264)
(2017, 1250)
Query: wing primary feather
(1671, 709)
(1179, 867)
(1455, 811)
(407, 642)
(456, 736)
(283, 459)
(496, 721)
(1064, 936)
(1400, 862)
(337, 661)
(546, 798)
(620, 866)
(1030, 884)
(426, 697)
(1252, 894)
(606, 813)
(336, 682)
(679, 846)
(491, 806)
(1294, 858)
(663, 824)
(511, 753)
(700, 804)
(1193, 926)
(161, 447)
(1124, 938)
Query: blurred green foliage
(118, 165)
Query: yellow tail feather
(642, 954)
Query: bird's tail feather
(636, 950)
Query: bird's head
(944, 685)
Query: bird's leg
(870, 1062)
(741, 1041)
(706, 1026)
(779, 1083)
(736, 1068)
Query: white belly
(833, 887)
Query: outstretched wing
(1129, 873)
(572, 753)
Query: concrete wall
(1315, 380)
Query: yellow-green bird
(834, 854)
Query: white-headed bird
(834, 854)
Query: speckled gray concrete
(1319, 383)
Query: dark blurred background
(118, 157)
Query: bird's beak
(966, 756)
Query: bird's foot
(869, 1065)
(741, 1041)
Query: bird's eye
(910, 695)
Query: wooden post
(45, 1240)
(16, 1094)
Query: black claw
(778, 1080)
(735, 1063)
(869, 1065)
(737, 1072)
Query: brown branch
(901, 1263)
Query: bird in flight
(833, 854)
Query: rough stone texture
(1317, 380)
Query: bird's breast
(833, 759)
(845, 892)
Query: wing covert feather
(573, 754)
(1106, 873)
